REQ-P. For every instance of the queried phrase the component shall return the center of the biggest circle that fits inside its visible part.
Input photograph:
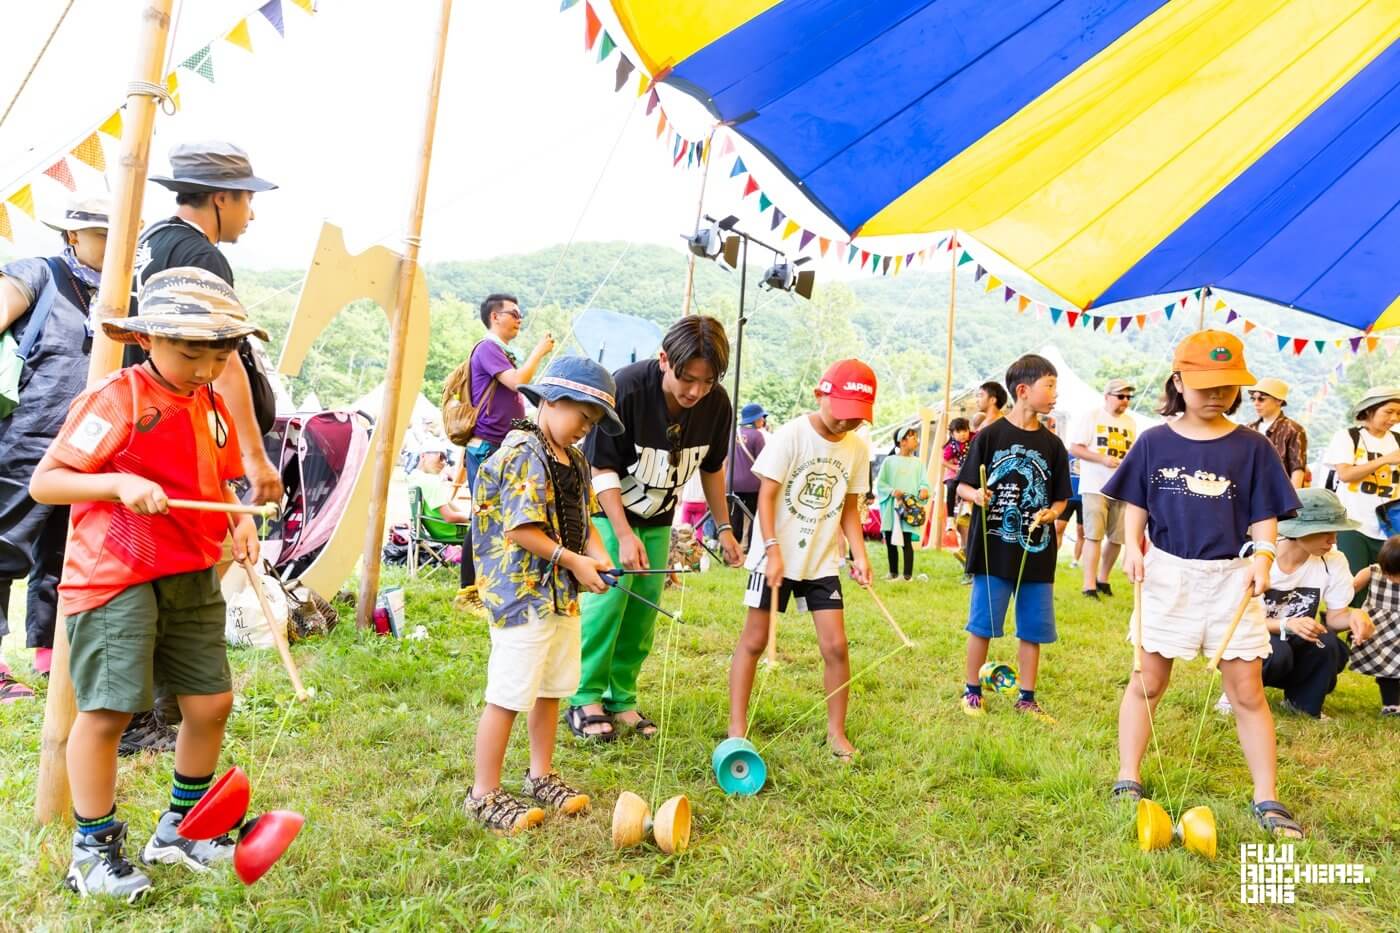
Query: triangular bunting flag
(172, 87)
(624, 71)
(1230, 318)
(591, 26)
(112, 126)
(964, 259)
(24, 200)
(764, 203)
(864, 257)
(898, 261)
(953, 243)
(1355, 344)
(1219, 305)
(567, 4)
(1141, 321)
(909, 259)
(1371, 342)
(89, 152)
(238, 36)
(606, 47)
(1098, 321)
(993, 283)
(1299, 343)
(1021, 304)
(643, 83)
(660, 124)
(778, 218)
(1282, 342)
(1320, 344)
(201, 63)
(1055, 314)
(1008, 293)
(750, 187)
(977, 275)
(1183, 301)
(1169, 309)
(1071, 316)
(790, 229)
(6, 233)
(728, 146)
(652, 101)
(272, 12)
(823, 244)
(307, 5)
(807, 237)
(1196, 294)
(851, 254)
(61, 173)
(885, 266)
(738, 169)
(1248, 325)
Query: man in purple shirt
(492, 361)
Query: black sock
(185, 791)
(1027, 696)
(972, 690)
(93, 827)
(1390, 690)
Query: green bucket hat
(1321, 512)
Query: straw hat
(185, 303)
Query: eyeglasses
(673, 438)
(518, 315)
(1123, 396)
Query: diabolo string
(669, 673)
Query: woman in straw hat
(43, 302)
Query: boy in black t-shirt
(1011, 543)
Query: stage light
(784, 277)
(707, 242)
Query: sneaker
(972, 704)
(1090, 594)
(501, 812)
(1223, 707)
(1390, 710)
(553, 792)
(12, 690)
(1032, 708)
(167, 846)
(146, 733)
(469, 601)
(1288, 706)
(966, 579)
(1105, 589)
(1073, 564)
(891, 576)
(99, 867)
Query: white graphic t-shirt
(817, 476)
(1302, 592)
(1363, 495)
(1109, 435)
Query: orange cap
(1211, 358)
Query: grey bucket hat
(211, 166)
(1321, 512)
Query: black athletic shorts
(812, 595)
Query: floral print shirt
(513, 489)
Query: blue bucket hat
(751, 413)
(580, 379)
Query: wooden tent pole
(699, 215)
(385, 427)
(940, 437)
(1204, 289)
(113, 300)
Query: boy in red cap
(813, 475)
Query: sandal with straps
(578, 722)
(501, 812)
(1130, 791)
(12, 690)
(1274, 817)
(643, 727)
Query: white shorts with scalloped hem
(1187, 606)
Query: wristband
(554, 558)
(721, 529)
(1282, 628)
(771, 542)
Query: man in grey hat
(214, 186)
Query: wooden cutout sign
(335, 280)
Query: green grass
(943, 821)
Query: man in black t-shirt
(677, 419)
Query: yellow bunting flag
(172, 87)
(89, 152)
(112, 126)
(993, 283)
(238, 36)
(1219, 305)
(643, 83)
(789, 229)
(307, 5)
(5, 232)
(898, 261)
(24, 200)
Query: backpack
(459, 415)
(1332, 482)
(13, 355)
(259, 385)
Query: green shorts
(169, 631)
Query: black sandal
(1129, 790)
(643, 727)
(1275, 818)
(578, 722)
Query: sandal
(578, 722)
(1131, 791)
(12, 690)
(1274, 817)
(643, 727)
(502, 813)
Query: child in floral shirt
(534, 548)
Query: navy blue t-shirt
(1202, 496)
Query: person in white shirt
(1101, 439)
(1365, 473)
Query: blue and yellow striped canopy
(1112, 149)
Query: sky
(528, 124)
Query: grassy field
(943, 822)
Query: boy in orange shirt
(139, 592)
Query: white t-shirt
(1362, 496)
(1110, 435)
(817, 476)
(1300, 594)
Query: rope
(149, 89)
(268, 760)
(37, 59)
(822, 702)
(668, 677)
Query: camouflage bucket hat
(185, 304)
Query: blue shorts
(1035, 609)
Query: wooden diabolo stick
(279, 634)
(940, 437)
(384, 428)
(1230, 632)
(889, 618)
(772, 655)
(1137, 627)
(113, 300)
(267, 510)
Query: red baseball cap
(851, 386)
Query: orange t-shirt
(186, 443)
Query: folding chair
(429, 537)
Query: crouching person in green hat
(1310, 574)
(139, 592)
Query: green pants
(1361, 551)
(617, 630)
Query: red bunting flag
(1073, 316)
(61, 173)
(750, 186)
(1299, 343)
(591, 26)
(864, 257)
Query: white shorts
(539, 658)
(1187, 605)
